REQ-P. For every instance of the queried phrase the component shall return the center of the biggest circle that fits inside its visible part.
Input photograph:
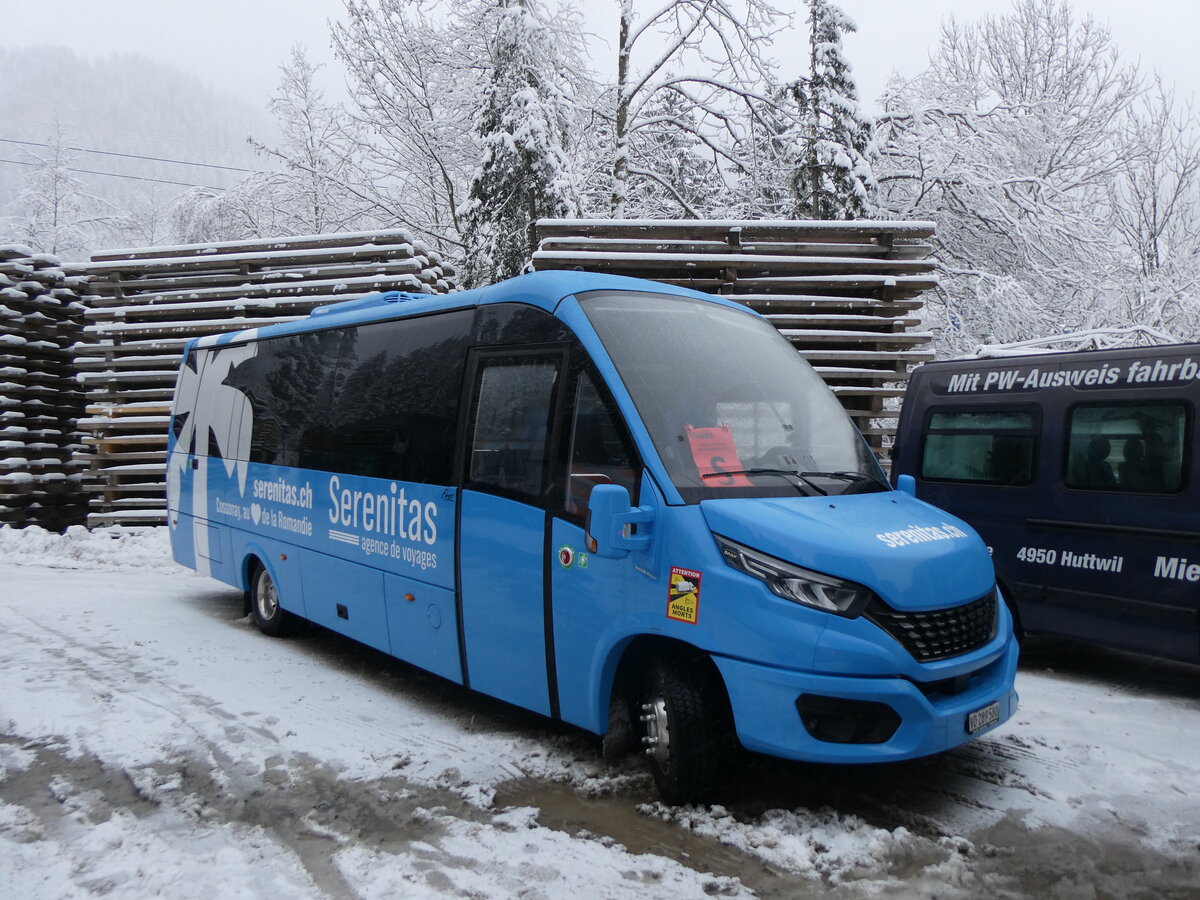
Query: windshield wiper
(845, 476)
(787, 473)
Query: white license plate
(982, 718)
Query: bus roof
(1054, 357)
(1121, 369)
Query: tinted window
(511, 424)
(599, 449)
(289, 383)
(1135, 447)
(994, 447)
(517, 324)
(395, 400)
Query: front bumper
(764, 709)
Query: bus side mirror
(908, 484)
(610, 522)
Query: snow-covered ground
(153, 743)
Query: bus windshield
(732, 408)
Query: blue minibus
(628, 506)
(1078, 469)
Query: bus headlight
(800, 585)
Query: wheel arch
(252, 556)
(628, 662)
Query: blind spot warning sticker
(683, 595)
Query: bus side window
(510, 445)
(288, 383)
(1134, 447)
(987, 447)
(395, 401)
(599, 451)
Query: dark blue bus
(1079, 471)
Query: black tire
(687, 730)
(271, 618)
(621, 735)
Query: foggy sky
(237, 45)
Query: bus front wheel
(271, 618)
(684, 730)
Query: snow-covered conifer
(832, 178)
(525, 123)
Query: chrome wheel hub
(658, 736)
(266, 597)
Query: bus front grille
(938, 633)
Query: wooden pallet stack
(145, 304)
(40, 402)
(845, 293)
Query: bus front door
(502, 557)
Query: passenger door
(594, 598)
(503, 521)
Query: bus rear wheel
(271, 618)
(685, 730)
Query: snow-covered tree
(526, 124)
(762, 183)
(415, 80)
(316, 193)
(254, 207)
(55, 212)
(1156, 195)
(1011, 142)
(1155, 209)
(692, 124)
(721, 45)
(678, 174)
(146, 217)
(832, 177)
(316, 187)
